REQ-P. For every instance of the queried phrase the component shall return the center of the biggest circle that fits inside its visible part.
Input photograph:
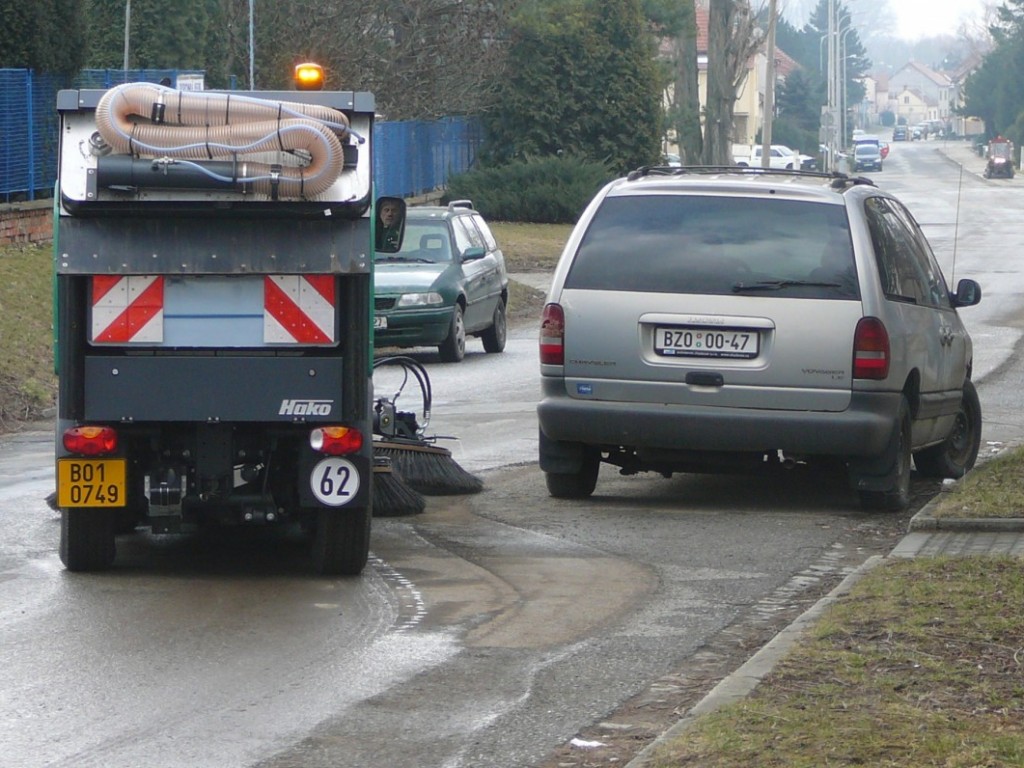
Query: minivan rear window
(717, 245)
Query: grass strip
(921, 664)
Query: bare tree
(686, 107)
(421, 58)
(732, 40)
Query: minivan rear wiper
(775, 285)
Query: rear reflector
(870, 350)
(552, 335)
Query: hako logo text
(305, 408)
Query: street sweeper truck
(213, 317)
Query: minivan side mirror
(388, 224)
(968, 293)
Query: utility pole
(252, 49)
(127, 33)
(769, 91)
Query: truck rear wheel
(87, 539)
(341, 543)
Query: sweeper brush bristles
(391, 496)
(428, 469)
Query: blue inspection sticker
(584, 389)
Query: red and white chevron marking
(298, 309)
(127, 309)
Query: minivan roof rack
(838, 180)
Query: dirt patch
(524, 305)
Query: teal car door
(479, 272)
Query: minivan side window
(937, 288)
(907, 270)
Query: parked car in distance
(899, 133)
(807, 162)
(867, 157)
(716, 321)
(447, 282)
(781, 157)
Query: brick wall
(26, 222)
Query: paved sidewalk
(929, 536)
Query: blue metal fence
(410, 157)
(28, 133)
(413, 157)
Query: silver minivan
(706, 320)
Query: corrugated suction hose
(146, 119)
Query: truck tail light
(90, 441)
(870, 350)
(552, 335)
(336, 441)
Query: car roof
(738, 180)
(440, 212)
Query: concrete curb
(740, 683)
(924, 522)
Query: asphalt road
(490, 630)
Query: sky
(911, 19)
(926, 18)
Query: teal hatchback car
(447, 282)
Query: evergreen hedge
(550, 190)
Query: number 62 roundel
(334, 481)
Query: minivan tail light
(870, 349)
(552, 335)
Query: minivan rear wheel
(955, 456)
(897, 496)
(575, 485)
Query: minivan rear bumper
(863, 429)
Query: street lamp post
(836, 109)
(833, 91)
(842, 100)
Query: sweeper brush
(398, 435)
(429, 469)
(391, 496)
